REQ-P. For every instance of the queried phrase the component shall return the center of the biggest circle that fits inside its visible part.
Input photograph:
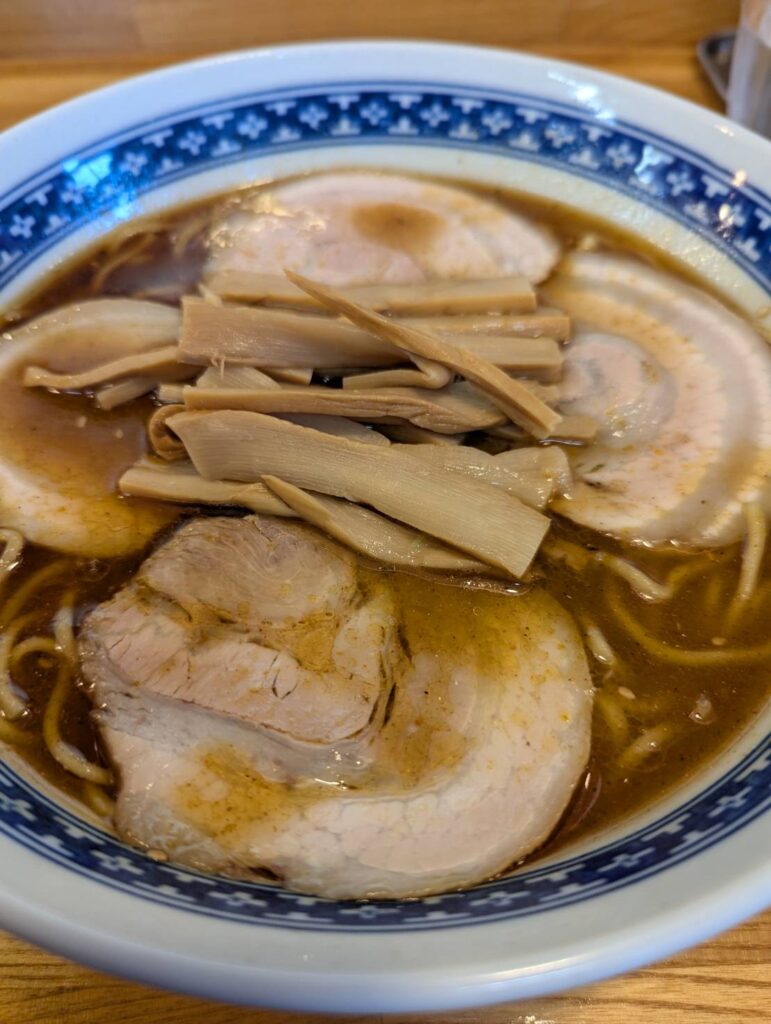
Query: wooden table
(727, 980)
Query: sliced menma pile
(285, 392)
(432, 332)
(681, 388)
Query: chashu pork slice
(366, 227)
(269, 711)
(249, 620)
(681, 388)
(59, 465)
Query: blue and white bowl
(691, 184)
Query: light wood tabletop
(728, 979)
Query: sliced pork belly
(362, 227)
(682, 389)
(269, 710)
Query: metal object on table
(749, 87)
(715, 53)
(739, 66)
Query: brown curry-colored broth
(51, 438)
(662, 692)
(436, 610)
(705, 706)
(161, 271)
(72, 448)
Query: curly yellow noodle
(64, 628)
(12, 734)
(698, 566)
(642, 707)
(63, 647)
(32, 645)
(752, 561)
(99, 801)
(756, 611)
(13, 702)
(641, 583)
(133, 253)
(682, 655)
(131, 230)
(647, 588)
(614, 717)
(712, 595)
(36, 582)
(71, 759)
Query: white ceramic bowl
(682, 177)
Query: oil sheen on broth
(690, 713)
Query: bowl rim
(619, 83)
(671, 929)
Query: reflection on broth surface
(674, 635)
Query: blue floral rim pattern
(105, 181)
(730, 804)
(107, 178)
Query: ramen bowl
(683, 179)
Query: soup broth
(657, 718)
